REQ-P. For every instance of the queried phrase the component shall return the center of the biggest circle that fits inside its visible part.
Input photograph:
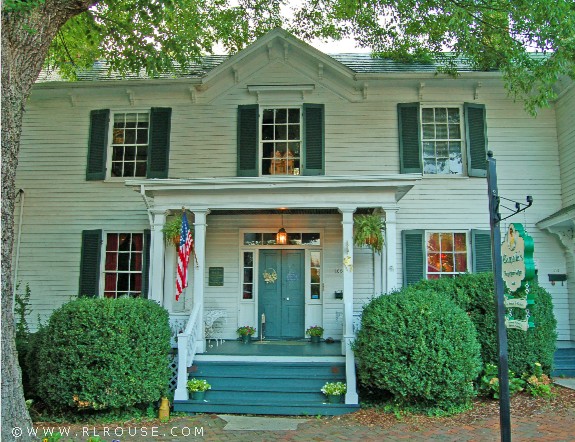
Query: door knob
(287, 299)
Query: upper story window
(446, 254)
(281, 141)
(441, 140)
(129, 144)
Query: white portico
(309, 196)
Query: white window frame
(467, 252)
(263, 108)
(103, 270)
(462, 133)
(110, 147)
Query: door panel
(283, 301)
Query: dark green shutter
(159, 142)
(481, 250)
(98, 144)
(314, 139)
(409, 138)
(146, 263)
(90, 263)
(248, 122)
(476, 139)
(413, 244)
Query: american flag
(184, 252)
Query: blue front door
(282, 301)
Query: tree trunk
(26, 38)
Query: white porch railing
(188, 342)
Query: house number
(338, 271)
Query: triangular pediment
(280, 60)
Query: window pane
(427, 115)
(294, 238)
(281, 149)
(441, 149)
(281, 116)
(428, 131)
(123, 261)
(268, 116)
(293, 115)
(267, 132)
(129, 169)
(429, 149)
(269, 238)
(433, 262)
(281, 132)
(141, 168)
(455, 163)
(460, 244)
(453, 115)
(440, 115)
(442, 166)
(433, 242)
(249, 256)
(118, 136)
(136, 283)
(310, 239)
(251, 239)
(130, 153)
(446, 242)
(142, 153)
(248, 275)
(314, 291)
(454, 131)
(447, 262)
(123, 282)
(293, 132)
(315, 256)
(294, 149)
(461, 262)
(314, 275)
(248, 291)
(441, 131)
(266, 167)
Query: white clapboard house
(282, 136)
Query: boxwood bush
(474, 293)
(102, 354)
(421, 348)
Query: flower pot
(315, 339)
(198, 395)
(334, 398)
(246, 339)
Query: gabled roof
(210, 65)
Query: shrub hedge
(102, 354)
(420, 347)
(474, 293)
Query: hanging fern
(367, 230)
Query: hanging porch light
(281, 236)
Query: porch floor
(267, 348)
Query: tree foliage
(490, 34)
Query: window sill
(445, 177)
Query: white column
(199, 264)
(391, 249)
(351, 396)
(156, 286)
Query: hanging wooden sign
(517, 258)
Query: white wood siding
(565, 109)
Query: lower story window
(123, 266)
(446, 254)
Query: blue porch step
(278, 388)
(564, 360)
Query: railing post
(181, 393)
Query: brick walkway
(541, 427)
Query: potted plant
(367, 230)
(245, 332)
(198, 388)
(315, 332)
(334, 391)
(172, 229)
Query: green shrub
(421, 348)
(474, 293)
(102, 354)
